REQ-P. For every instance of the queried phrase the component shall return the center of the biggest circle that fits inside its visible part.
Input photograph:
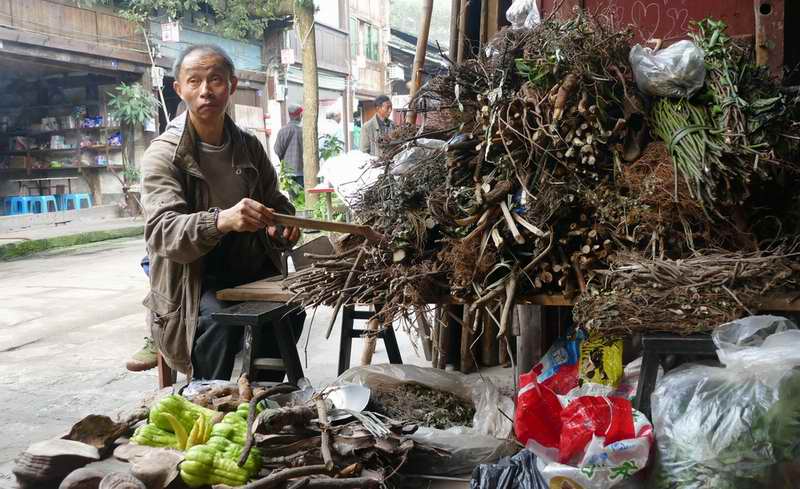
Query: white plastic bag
(523, 13)
(734, 426)
(349, 173)
(677, 71)
(486, 441)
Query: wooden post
(530, 336)
(423, 330)
(489, 343)
(419, 57)
(452, 49)
(435, 331)
(467, 360)
(462, 31)
(369, 342)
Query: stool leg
(390, 341)
(248, 358)
(346, 340)
(288, 349)
(166, 376)
(647, 382)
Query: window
(371, 49)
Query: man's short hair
(381, 99)
(227, 62)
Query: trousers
(216, 345)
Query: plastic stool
(76, 200)
(41, 203)
(20, 205)
(6, 211)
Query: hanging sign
(157, 76)
(287, 56)
(171, 32)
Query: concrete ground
(68, 321)
(67, 228)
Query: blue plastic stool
(40, 204)
(7, 205)
(76, 200)
(20, 204)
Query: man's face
(385, 110)
(205, 85)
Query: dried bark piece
(97, 431)
(52, 460)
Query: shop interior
(59, 149)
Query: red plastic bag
(538, 413)
(588, 416)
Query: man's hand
(290, 235)
(246, 216)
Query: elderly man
(289, 144)
(377, 127)
(210, 192)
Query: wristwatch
(215, 212)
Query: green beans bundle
(693, 143)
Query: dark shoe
(144, 359)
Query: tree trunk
(304, 21)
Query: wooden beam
(117, 57)
(22, 45)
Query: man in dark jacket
(377, 127)
(209, 196)
(289, 144)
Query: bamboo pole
(462, 31)
(419, 57)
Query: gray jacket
(370, 134)
(289, 147)
(180, 231)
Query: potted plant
(132, 105)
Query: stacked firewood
(546, 180)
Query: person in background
(289, 144)
(356, 130)
(209, 197)
(377, 127)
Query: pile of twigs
(545, 182)
(692, 295)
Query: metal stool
(254, 316)
(657, 346)
(349, 314)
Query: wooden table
(532, 331)
(42, 183)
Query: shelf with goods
(67, 130)
(40, 151)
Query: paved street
(68, 322)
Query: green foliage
(294, 189)
(132, 104)
(233, 19)
(329, 147)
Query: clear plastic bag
(523, 13)
(677, 71)
(487, 440)
(734, 426)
